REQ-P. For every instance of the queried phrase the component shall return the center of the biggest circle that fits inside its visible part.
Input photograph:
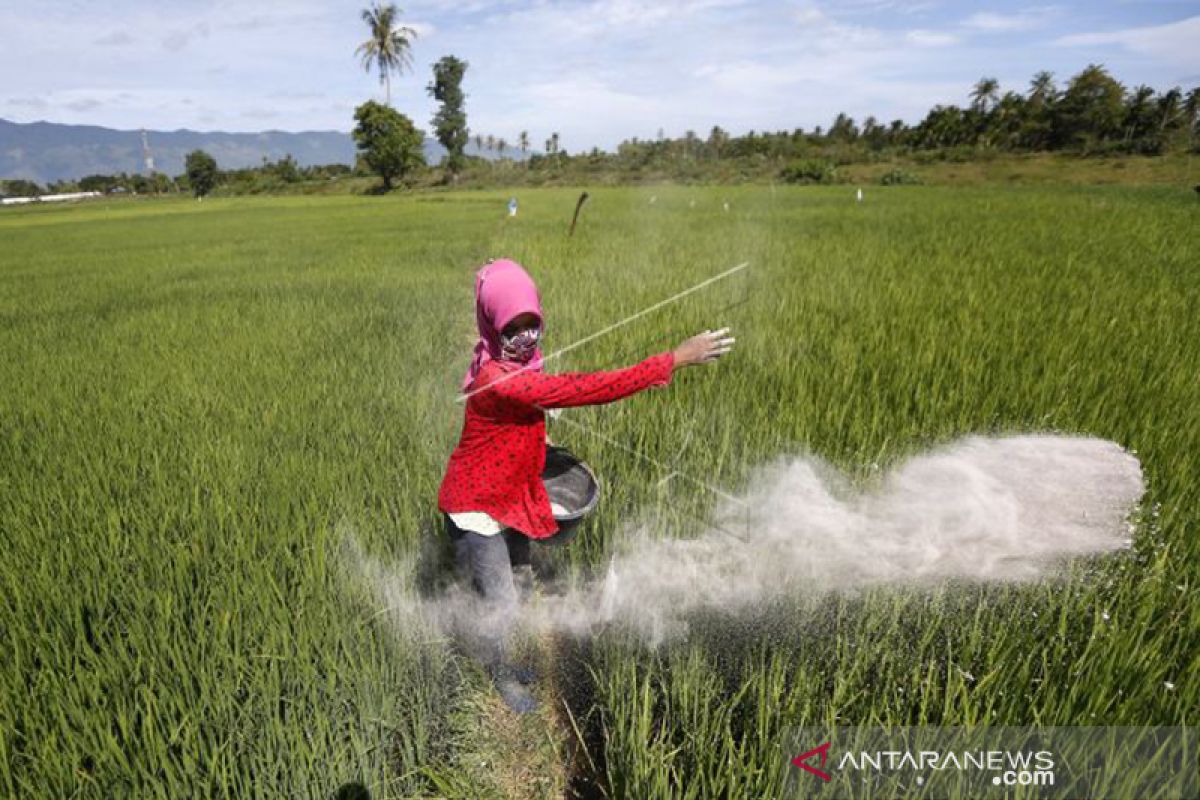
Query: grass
(200, 403)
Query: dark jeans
(487, 563)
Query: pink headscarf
(503, 290)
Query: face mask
(521, 346)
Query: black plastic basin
(572, 485)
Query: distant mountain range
(47, 151)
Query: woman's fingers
(707, 346)
(714, 354)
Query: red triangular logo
(802, 759)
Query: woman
(492, 495)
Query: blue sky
(597, 71)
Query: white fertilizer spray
(989, 509)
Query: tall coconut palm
(985, 95)
(523, 142)
(1139, 113)
(1191, 108)
(390, 46)
(1042, 89)
(1169, 108)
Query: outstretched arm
(595, 388)
(569, 389)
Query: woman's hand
(703, 348)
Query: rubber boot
(511, 689)
(525, 674)
(524, 582)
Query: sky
(595, 71)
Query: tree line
(1092, 114)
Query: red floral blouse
(497, 466)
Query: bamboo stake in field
(578, 205)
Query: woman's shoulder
(490, 371)
(492, 368)
(499, 366)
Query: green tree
(943, 126)
(717, 140)
(98, 183)
(19, 187)
(1006, 121)
(1140, 120)
(202, 173)
(843, 128)
(1170, 112)
(523, 142)
(1038, 128)
(387, 141)
(390, 47)
(1191, 115)
(874, 133)
(985, 95)
(1090, 111)
(1042, 90)
(450, 121)
(690, 142)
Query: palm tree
(523, 142)
(1169, 108)
(554, 142)
(501, 146)
(1041, 88)
(491, 142)
(689, 142)
(390, 45)
(1138, 110)
(985, 95)
(478, 144)
(1191, 108)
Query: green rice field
(208, 408)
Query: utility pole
(147, 158)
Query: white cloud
(27, 102)
(1176, 42)
(992, 22)
(925, 38)
(84, 104)
(180, 38)
(423, 29)
(115, 38)
(811, 15)
(747, 76)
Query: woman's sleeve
(569, 389)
